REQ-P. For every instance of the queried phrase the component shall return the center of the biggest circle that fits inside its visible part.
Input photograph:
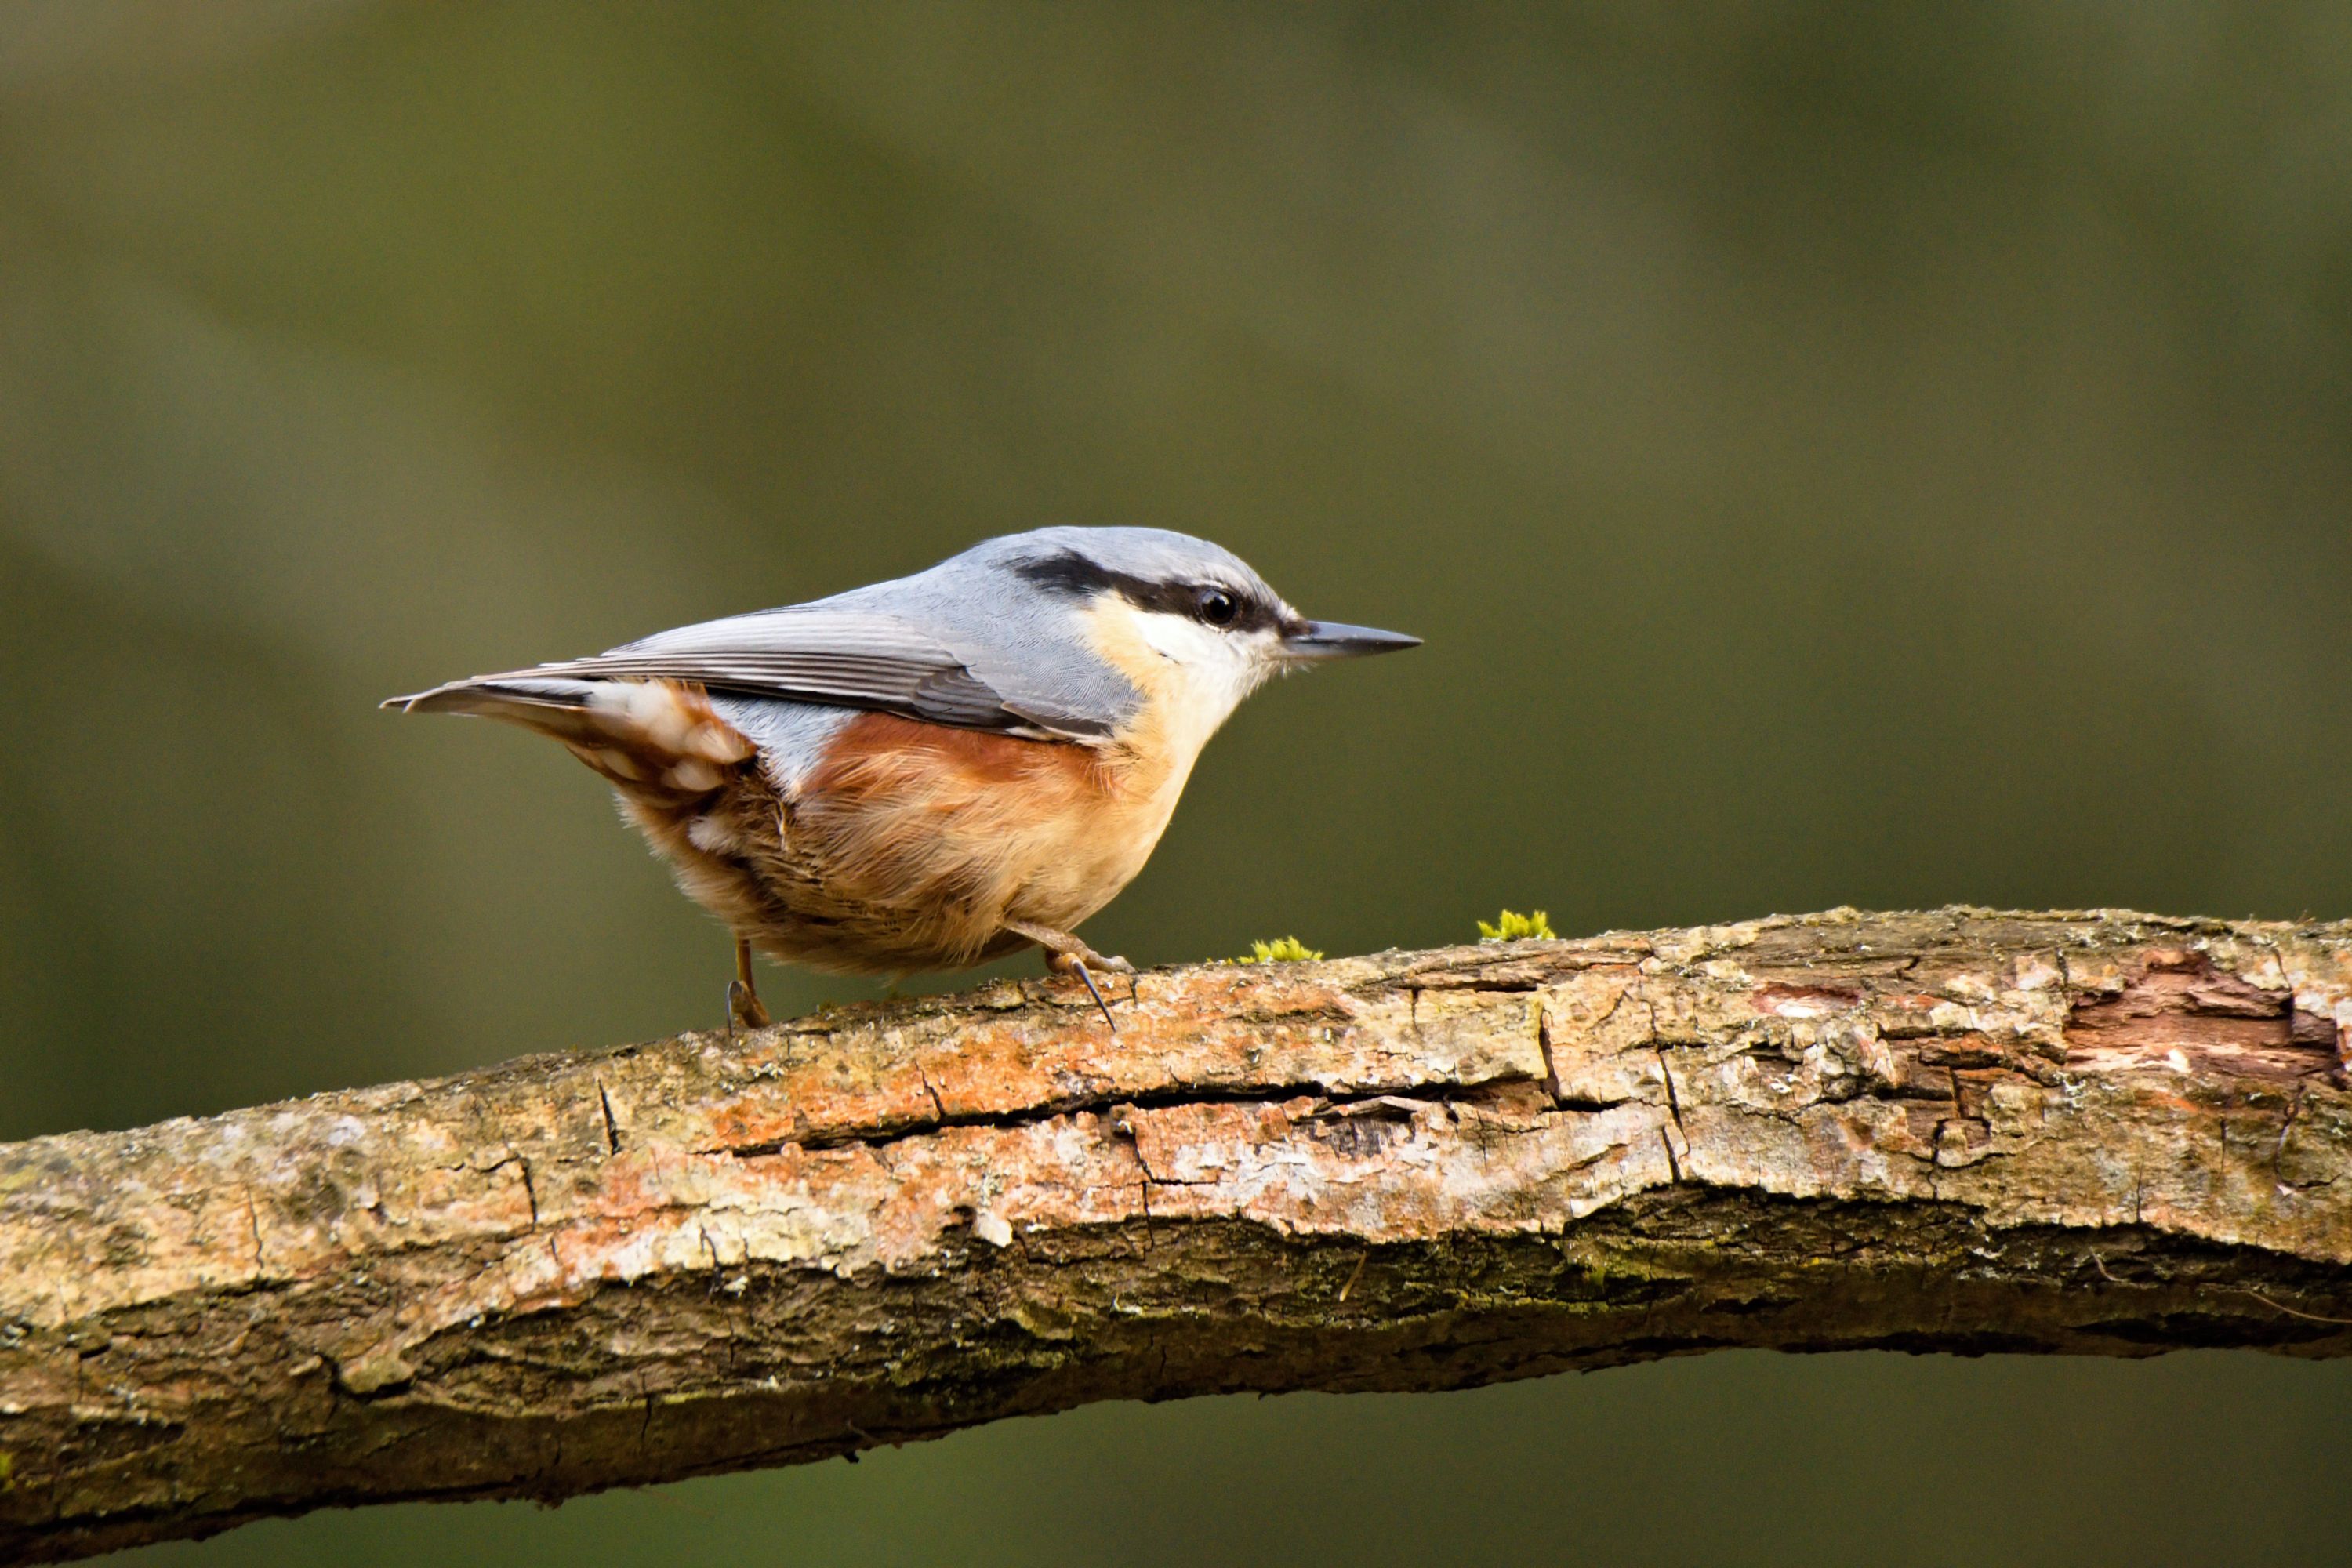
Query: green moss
(1282, 950)
(1512, 926)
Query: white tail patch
(663, 716)
(659, 734)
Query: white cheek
(1215, 669)
(1180, 639)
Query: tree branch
(2111, 1134)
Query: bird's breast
(1012, 828)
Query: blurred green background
(1886, 454)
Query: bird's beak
(1319, 640)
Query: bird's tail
(660, 735)
(563, 708)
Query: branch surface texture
(1963, 1130)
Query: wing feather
(838, 657)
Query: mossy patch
(1513, 926)
(1282, 950)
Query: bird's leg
(743, 996)
(1063, 945)
(1068, 954)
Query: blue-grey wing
(824, 653)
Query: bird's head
(1186, 622)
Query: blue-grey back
(998, 637)
(1022, 632)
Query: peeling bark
(1962, 1131)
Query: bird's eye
(1216, 607)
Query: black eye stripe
(1072, 573)
(1066, 571)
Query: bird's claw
(1075, 965)
(1066, 954)
(1078, 964)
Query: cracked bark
(1963, 1130)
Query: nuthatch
(928, 773)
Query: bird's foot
(1107, 964)
(1070, 964)
(743, 1006)
(1068, 954)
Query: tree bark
(1962, 1131)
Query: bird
(929, 773)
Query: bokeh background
(1885, 453)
